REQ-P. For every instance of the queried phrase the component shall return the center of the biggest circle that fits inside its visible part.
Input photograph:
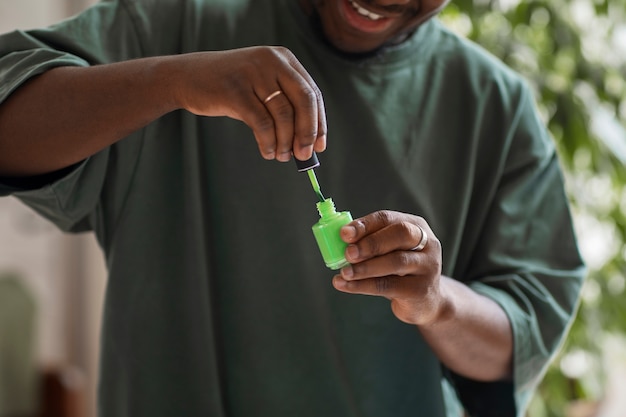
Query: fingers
(397, 256)
(399, 263)
(295, 105)
(265, 87)
(382, 256)
(390, 287)
(310, 113)
(383, 232)
(400, 274)
(278, 141)
(320, 142)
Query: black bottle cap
(310, 163)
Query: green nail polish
(326, 232)
(316, 185)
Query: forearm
(468, 332)
(69, 113)
(474, 337)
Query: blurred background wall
(64, 274)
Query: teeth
(365, 12)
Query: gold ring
(423, 241)
(271, 96)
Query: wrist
(444, 309)
(163, 75)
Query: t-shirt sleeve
(78, 41)
(527, 260)
(110, 31)
(69, 198)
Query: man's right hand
(237, 83)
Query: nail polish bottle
(326, 232)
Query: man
(218, 303)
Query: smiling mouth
(364, 12)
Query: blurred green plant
(573, 53)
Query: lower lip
(361, 22)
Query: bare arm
(474, 337)
(69, 113)
(469, 333)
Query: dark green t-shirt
(218, 302)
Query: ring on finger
(271, 96)
(423, 241)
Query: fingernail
(352, 252)
(307, 151)
(339, 283)
(284, 156)
(320, 144)
(347, 272)
(349, 232)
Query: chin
(349, 47)
(342, 38)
